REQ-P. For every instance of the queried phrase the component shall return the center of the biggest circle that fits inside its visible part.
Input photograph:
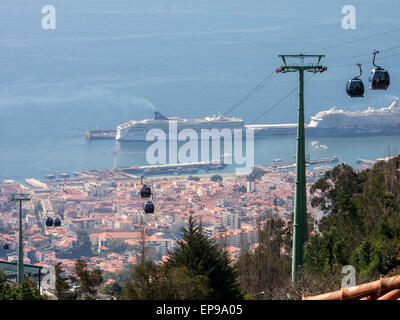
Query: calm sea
(108, 62)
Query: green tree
(201, 256)
(113, 289)
(118, 246)
(153, 282)
(6, 291)
(62, 287)
(363, 225)
(88, 280)
(120, 276)
(27, 290)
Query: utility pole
(20, 197)
(300, 227)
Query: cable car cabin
(57, 222)
(379, 79)
(145, 191)
(49, 222)
(355, 88)
(149, 207)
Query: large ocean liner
(333, 122)
(339, 123)
(137, 130)
(329, 123)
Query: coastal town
(105, 207)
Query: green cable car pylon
(20, 197)
(300, 227)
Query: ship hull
(163, 132)
(352, 132)
(309, 132)
(330, 132)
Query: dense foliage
(153, 282)
(27, 290)
(202, 256)
(363, 224)
(88, 281)
(197, 269)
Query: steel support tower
(20, 197)
(300, 226)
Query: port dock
(100, 134)
(174, 168)
(292, 165)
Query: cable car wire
(365, 61)
(269, 77)
(251, 92)
(357, 40)
(366, 54)
(248, 95)
(280, 101)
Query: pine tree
(88, 280)
(62, 287)
(202, 257)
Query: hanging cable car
(57, 222)
(145, 191)
(6, 246)
(49, 222)
(355, 86)
(379, 77)
(149, 207)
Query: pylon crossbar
(20, 197)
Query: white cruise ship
(372, 121)
(137, 130)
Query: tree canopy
(362, 227)
(202, 256)
(153, 282)
(88, 280)
(27, 290)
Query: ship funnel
(159, 116)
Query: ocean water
(108, 62)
